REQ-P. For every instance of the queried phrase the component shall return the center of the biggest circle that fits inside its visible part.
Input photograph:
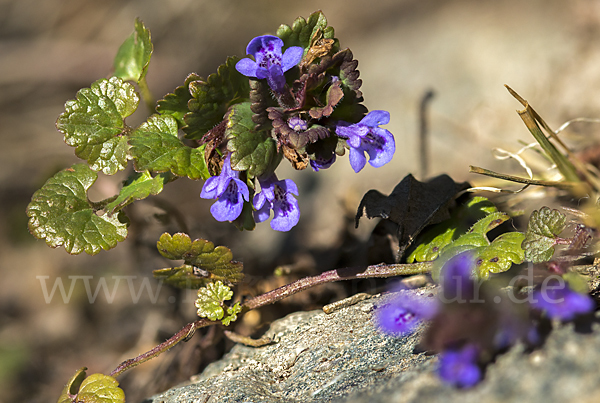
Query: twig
(349, 273)
(518, 179)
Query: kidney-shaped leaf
(61, 214)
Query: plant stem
(146, 94)
(348, 273)
(183, 334)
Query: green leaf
(176, 103)
(489, 222)
(210, 300)
(301, 31)
(213, 97)
(108, 157)
(232, 312)
(185, 276)
(94, 121)
(137, 187)
(489, 257)
(500, 254)
(542, 230)
(254, 151)
(133, 57)
(96, 388)
(61, 214)
(156, 147)
(439, 236)
(201, 254)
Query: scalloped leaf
(61, 214)
(108, 157)
(500, 255)
(542, 230)
(210, 300)
(137, 187)
(232, 313)
(210, 262)
(211, 98)
(490, 257)
(302, 31)
(439, 236)
(133, 57)
(185, 276)
(96, 388)
(93, 121)
(251, 150)
(176, 103)
(156, 147)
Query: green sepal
(133, 57)
(232, 312)
(301, 31)
(61, 214)
(251, 150)
(95, 119)
(96, 388)
(542, 230)
(439, 236)
(176, 103)
(245, 221)
(137, 187)
(156, 147)
(211, 98)
(202, 254)
(210, 300)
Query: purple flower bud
(270, 63)
(367, 136)
(297, 124)
(559, 301)
(276, 195)
(229, 191)
(459, 367)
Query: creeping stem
(348, 273)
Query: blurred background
(463, 50)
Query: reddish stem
(349, 273)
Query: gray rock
(341, 357)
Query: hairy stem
(348, 273)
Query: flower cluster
(300, 128)
(472, 321)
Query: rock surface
(341, 357)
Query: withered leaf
(411, 206)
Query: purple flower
(367, 136)
(270, 63)
(456, 278)
(276, 195)
(401, 315)
(459, 367)
(229, 191)
(559, 301)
